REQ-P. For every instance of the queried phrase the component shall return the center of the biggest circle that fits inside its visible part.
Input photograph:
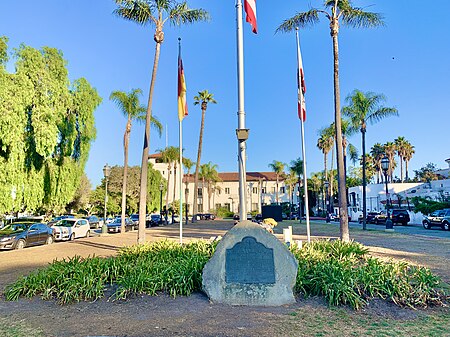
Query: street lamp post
(161, 187)
(106, 172)
(326, 184)
(385, 167)
(186, 195)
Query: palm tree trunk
(344, 233)
(144, 162)
(401, 168)
(276, 192)
(126, 139)
(364, 182)
(197, 167)
(406, 170)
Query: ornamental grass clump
(344, 273)
(149, 268)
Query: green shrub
(343, 273)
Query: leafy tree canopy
(47, 126)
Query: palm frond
(182, 14)
(356, 17)
(303, 19)
(157, 125)
(382, 113)
(353, 153)
(139, 11)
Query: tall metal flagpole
(241, 132)
(305, 179)
(180, 176)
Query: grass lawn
(17, 329)
(342, 322)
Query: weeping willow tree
(46, 128)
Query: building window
(227, 190)
(200, 192)
(282, 189)
(218, 206)
(273, 189)
(200, 208)
(255, 190)
(227, 206)
(263, 190)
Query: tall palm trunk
(401, 167)
(363, 136)
(159, 37)
(344, 233)
(197, 164)
(126, 140)
(406, 170)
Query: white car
(70, 229)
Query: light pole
(186, 195)
(326, 184)
(385, 167)
(106, 172)
(161, 187)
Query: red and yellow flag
(182, 104)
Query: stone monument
(250, 267)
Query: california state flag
(250, 10)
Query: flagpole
(180, 180)
(241, 132)
(305, 178)
(180, 123)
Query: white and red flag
(250, 11)
(301, 87)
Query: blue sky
(408, 61)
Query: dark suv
(400, 216)
(94, 221)
(439, 218)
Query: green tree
(389, 150)
(365, 108)
(335, 11)
(210, 176)
(400, 145)
(407, 156)
(155, 13)
(131, 108)
(278, 168)
(170, 155)
(204, 98)
(3, 50)
(46, 127)
(377, 153)
(80, 202)
(427, 173)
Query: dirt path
(194, 315)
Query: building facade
(261, 189)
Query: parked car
(370, 217)
(258, 217)
(115, 225)
(71, 229)
(94, 221)
(135, 219)
(154, 220)
(439, 218)
(57, 218)
(19, 235)
(398, 216)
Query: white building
(399, 194)
(445, 173)
(261, 189)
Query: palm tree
(353, 17)
(169, 156)
(297, 167)
(400, 144)
(155, 13)
(390, 150)
(365, 108)
(210, 176)
(409, 151)
(131, 108)
(278, 168)
(377, 153)
(325, 144)
(204, 98)
(187, 163)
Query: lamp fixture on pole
(106, 172)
